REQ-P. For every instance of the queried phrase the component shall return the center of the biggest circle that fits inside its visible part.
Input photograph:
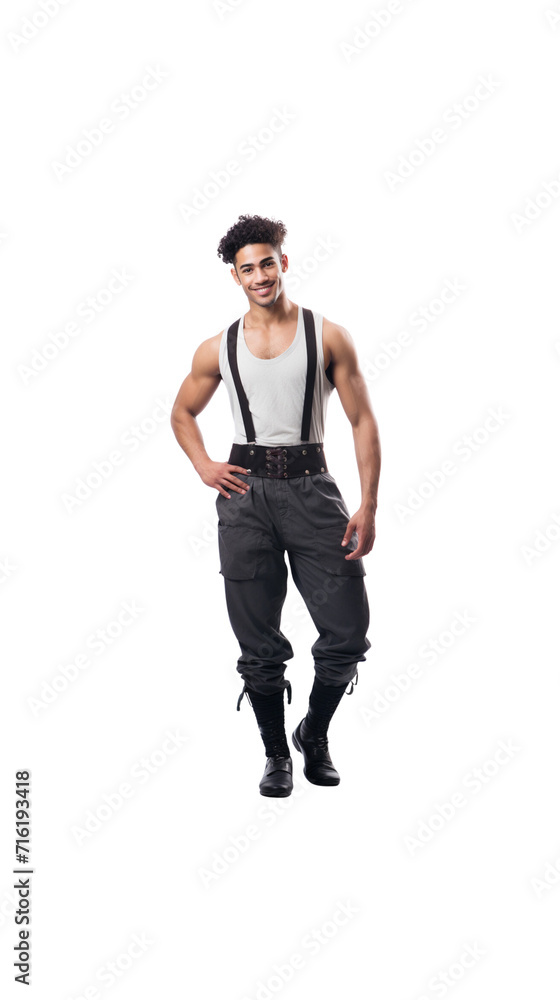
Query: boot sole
(281, 793)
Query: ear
(235, 278)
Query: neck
(280, 312)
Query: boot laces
(319, 744)
(274, 737)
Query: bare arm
(194, 395)
(353, 392)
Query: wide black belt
(282, 462)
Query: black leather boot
(269, 711)
(318, 767)
(310, 737)
(277, 778)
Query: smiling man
(279, 363)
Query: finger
(233, 482)
(347, 534)
(361, 549)
(238, 485)
(223, 493)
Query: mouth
(263, 290)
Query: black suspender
(311, 367)
(243, 401)
(311, 344)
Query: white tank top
(275, 388)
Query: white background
(483, 541)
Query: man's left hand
(363, 522)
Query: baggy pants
(306, 517)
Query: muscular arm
(194, 394)
(352, 390)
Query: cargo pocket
(330, 553)
(240, 551)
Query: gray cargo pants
(305, 516)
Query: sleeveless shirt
(275, 388)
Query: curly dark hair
(251, 229)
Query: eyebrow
(249, 263)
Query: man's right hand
(220, 475)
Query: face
(259, 270)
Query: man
(280, 362)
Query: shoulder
(206, 358)
(334, 331)
(337, 342)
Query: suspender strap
(243, 401)
(311, 368)
(311, 343)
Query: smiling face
(259, 269)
